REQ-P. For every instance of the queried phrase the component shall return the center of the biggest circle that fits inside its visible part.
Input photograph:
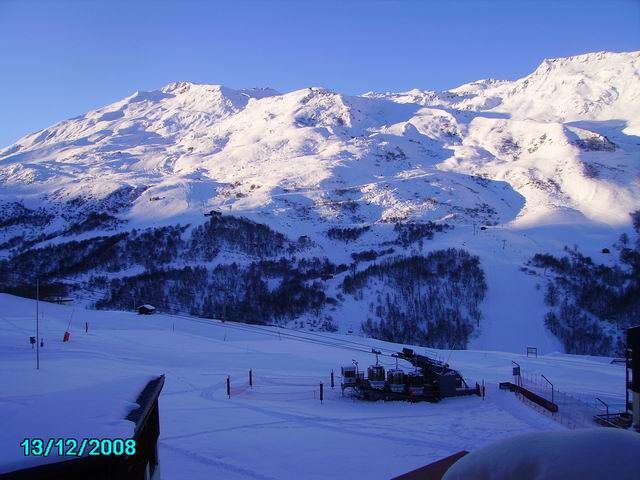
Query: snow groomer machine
(429, 380)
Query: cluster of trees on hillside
(269, 290)
(595, 144)
(150, 248)
(16, 213)
(117, 201)
(93, 221)
(592, 304)
(238, 234)
(431, 300)
(100, 254)
(80, 214)
(261, 292)
(408, 233)
(347, 234)
(12, 242)
(32, 221)
(369, 255)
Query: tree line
(591, 304)
(431, 300)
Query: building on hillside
(146, 309)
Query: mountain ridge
(191, 124)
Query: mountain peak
(183, 87)
(593, 57)
(177, 87)
(592, 86)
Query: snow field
(277, 429)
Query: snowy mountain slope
(184, 140)
(593, 86)
(553, 155)
(278, 429)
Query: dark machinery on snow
(430, 380)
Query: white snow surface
(591, 454)
(278, 429)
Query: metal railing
(573, 412)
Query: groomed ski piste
(276, 430)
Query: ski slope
(278, 429)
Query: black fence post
(321, 392)
(517, 373)
(332, 380)
(552, 399)
(229, 387)
(251, 377)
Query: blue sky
(60, 59)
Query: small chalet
(146, 309)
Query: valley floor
(279, 429)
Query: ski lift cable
(287, 335)
(345, 341)
(326, 340)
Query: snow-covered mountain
(535, 160)
(562, 139)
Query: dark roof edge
(145, 400)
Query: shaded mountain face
(556, 149)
